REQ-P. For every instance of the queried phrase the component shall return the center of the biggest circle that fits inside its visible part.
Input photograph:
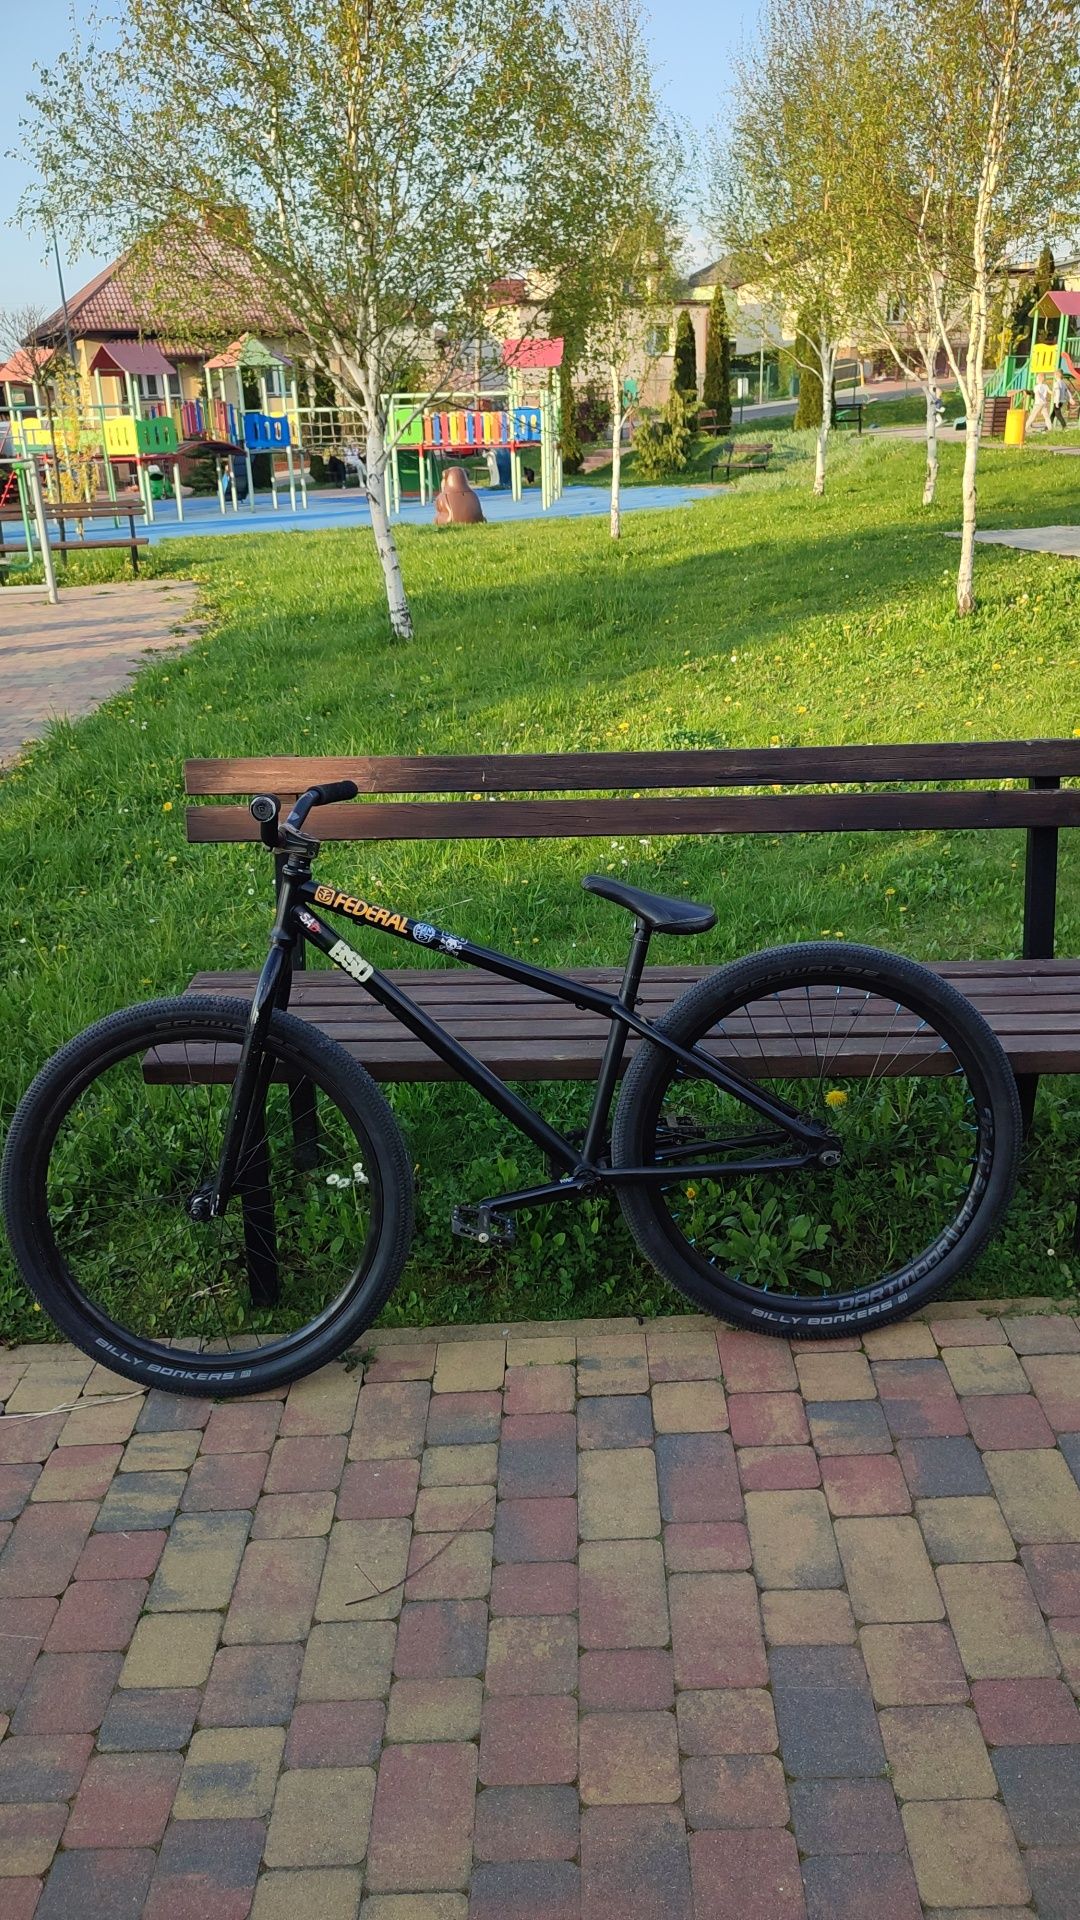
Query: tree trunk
(976, 400)
(827, 354)
(930, 487)
(616, 455)
(375, 480)
(819, 451)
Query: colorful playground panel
(468, 428)
(263, 432)
(129, 438)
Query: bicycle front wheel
(908, 1077)
(109, 1159)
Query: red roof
(532, 353)
(1066, 303)
(130, 356)
(21, 369)
(114, 303)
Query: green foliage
(593, 411)
(684, 371)
(569, 439)
(808, 413)
(662, 445)
(716, 391)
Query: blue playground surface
(203, 516)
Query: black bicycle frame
(584, 1167)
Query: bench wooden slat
(574, 819)
(627, 772)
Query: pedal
(480, 1223)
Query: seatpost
(635, 964)
(616, 1045)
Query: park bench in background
(849, 414)
(742, 456)
(71, 514)
(1033, 1003)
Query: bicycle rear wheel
(122, 1131)
(916, 1089)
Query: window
(896, 311)
(657, 341)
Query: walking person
(1040, 404)
(1061, 398)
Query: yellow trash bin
(1015, 426)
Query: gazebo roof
(131, 356)
(1057, 302)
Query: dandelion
(166, 806)
(836, 1097)
(890, 893)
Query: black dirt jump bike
(215, 1197)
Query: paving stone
(994, 1615)
(293, 1516)
(118, 1556)
(1055, 1881)
(390, 1421)
(889, 1577)
(913, 1665)
(46, 1382)
(206, 1870)
(1042, 1333)
(612, 1365)
(716, 1630)
(628, 1679)
(776, 1469)
(321, 1818)
(1026, 1713)
(538, 1456)
(817, 1666)
(541, 1587)
(335, 1733)
(434, 1710)
(275, 1590)
(348, 1661)
(1054, 1572)
(251, 1687)
(530, 1742)
(108, 1884)
(865, 1484)
(828, 1732)
(541, 1350)
(964, 1527)
(149, 1720)
(156, 1452)
(846, 1816)
(536, 1530)
(1066, 1638)
(97, 1616)
(909, 1340)
(618, 1498)
(89, 1426)
(16, 1485)
(23, 1626)
(462, 1419)
(77, 1473)
(999, 1421)
(935, 1469)
(172, 1650)
(364, 1574)
(326, 1893)
(40, 1555)
(324, 1402)
(527, 1655)
(456, 1467)
(124, 1800)
(937, 1753)
(753, 1363)
(199, 1566)
(698, 1477)
(421, 1829)
(164, 1412)
(848, 1426)
(615, 1420)
(623, 1594)
(22, 1441)
(1056, 1379)
(727, 1720)
(449, 1566)
(225, 1482)
(35, 1767)
(520, 1890)
(754, 1875)
(850, 1886)
(67, 1693)
(792, 1540)
(1040, 1786)
(248, 1426)
(768, 1420)
(835, 1376)
(414, 1360)
(706, 1546)
(1038, 1495)
(682, 1353)
(526, 1823)
(441, 1640)
(415, 1906)
(990, 1369)
(306, 1463)
(807, 1618)
(230, 1774)
(1070, 1447)
(469, 1366)
(20, 1898)
(734, 1790)
(461, 1509)
(629, 1759)
(960, 1329)
(29, 1836)
(689, 1406)
(964, 1851)
(140, 1500)
(538, 1390)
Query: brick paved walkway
(594, 1623)
(65, 659)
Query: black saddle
(654, 909)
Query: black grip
(336, 790)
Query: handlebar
(265, 808)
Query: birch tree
(368, 169)
(801, 152)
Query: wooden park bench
(742, 456)
(1032, 1002)
(849, 414)
(72, 514)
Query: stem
(616, 453)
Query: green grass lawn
(759, 616)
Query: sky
(693, 41)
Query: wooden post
(43, 534)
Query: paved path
(583, 1623)
(63, 660)
(1062, 540)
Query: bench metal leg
(1027, 1086)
